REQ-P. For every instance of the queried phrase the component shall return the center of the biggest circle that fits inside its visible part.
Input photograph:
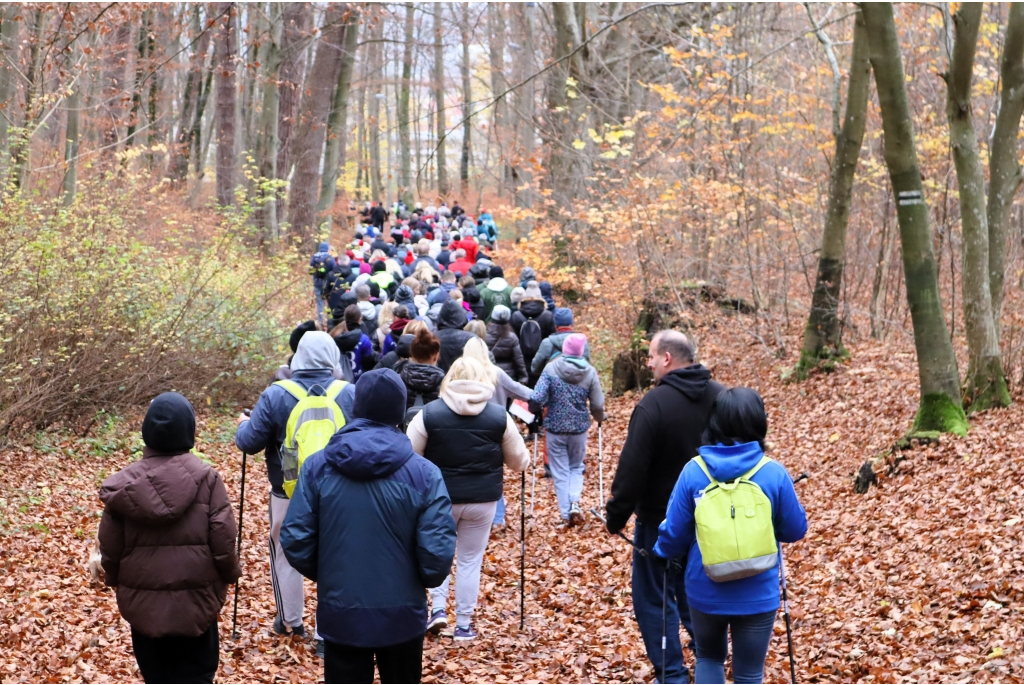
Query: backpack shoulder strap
(335, 388)
(296, 390)
(757, 467)
(704, 467)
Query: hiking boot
(438, 622)
(281, 629)
(575, 514)
(320, 648)
(465, 634)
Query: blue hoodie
(371, 523)
(322, 257)
(677, 535)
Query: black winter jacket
(507, 353)
(421, 379)
(536, 310)
(664, 433)
(467, 449)
(451, 321)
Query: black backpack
(530, 338)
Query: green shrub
(105, 306)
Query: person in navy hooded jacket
(371, 523)
(734, 444)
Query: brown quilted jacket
(167, 539)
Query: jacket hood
(403, 348)
(367, 309)
(316, 350)
(531, 309)
(437, 296)
(366, 450)
(572, 370)
(728, 462)
(467, 398)
(527, 274)
(348, 341)
(155, 491)
(452, 315)
(497, 284)
(324, 247)
(691, 381)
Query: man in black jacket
(664, 433)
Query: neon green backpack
(735, 532)
(310, 426)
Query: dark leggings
(751, 635)
(178, 659)
(401, 663)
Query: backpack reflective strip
(735, 531)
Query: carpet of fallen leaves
(920, 580)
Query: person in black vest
(665, 431)
(469, 439)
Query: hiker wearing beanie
(565, 388)
(470, 440)
(497, 291)
(371, 524)
(354, 345)
(504, 344)
(167, 544)
(321, 264)
(551, 348)
(665, 431)
(732, 588)
(545, 291)
(451, 322)
(526, 274)
(532, 307)
(313, 366)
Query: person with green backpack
(729, 511)
(293, 419)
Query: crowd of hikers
(386, 436)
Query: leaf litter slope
(920, 580)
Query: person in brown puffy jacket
(167, 540)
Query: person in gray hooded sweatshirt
(564, 388)
(315, 363)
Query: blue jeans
(648, 577)
(499, 512)
(320, 302)
(565, 456)
(751, 635)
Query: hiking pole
(238, 553)
(664, 619)
(533, 485)
(600, 463)
(641, 550)
(785, 610)
(522, 549)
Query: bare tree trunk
(467, 100)
(1004, 170)
(941, 408)
(337, 121)
(405, 170)
(181, 150)
(73, 108)
(133, 116)
(199, 141)
(376, 75)
(155, 86)
(985, 385)
(34, 88)
(560, 119)
(440, 118)
(293, 65)
(309, 141)
(269, 141)
(227, 52)
(499, 116)
(8, 80)
(114, 88)
(526, 99)
(823, 334)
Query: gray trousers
(473, 530)
(565, 457)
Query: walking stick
(785, 610)
(640, 550)
(241, 513)
(600, 464)
(522, 549)
(533, 485)
(664, 620)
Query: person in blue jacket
(316, 363)
(734, 444)
(371, 524)
(321, 264)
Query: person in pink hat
(566, 387)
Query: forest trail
(916, 581)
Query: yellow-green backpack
(735, 532)
(312, 423)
